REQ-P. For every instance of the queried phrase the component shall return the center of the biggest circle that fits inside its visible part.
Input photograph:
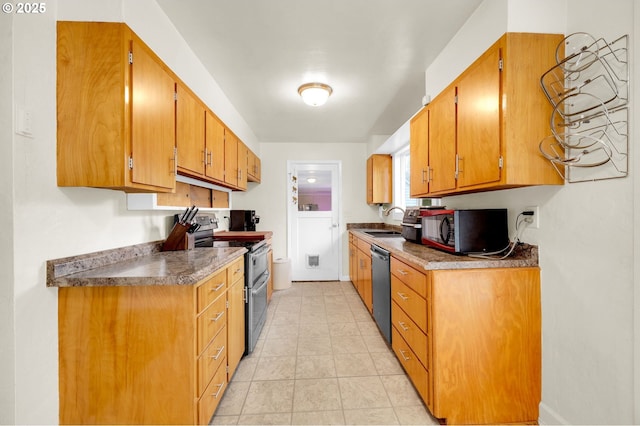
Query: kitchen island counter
(141, 264)
(432, 259)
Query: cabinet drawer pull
(218, 287)
(217, 394)
(208, 156)
(216, 356)
(403, 326)
(218, 316)
(402, 296)
(401, 272)
(238, 271)
(406, 358)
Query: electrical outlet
(536, 216)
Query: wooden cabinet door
(364, 276)
(253, 172)
(419, 154)
(152, 120)
(190, 131)
(442, 141)
(480, 357)
(235, 326)
(230, 159)
(353, 264)
(214, 147)
(379, 186)
(243, 165)
(479, 148)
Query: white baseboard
(345, 278)
(548, 416)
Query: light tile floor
(320, 359)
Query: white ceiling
(372, 52)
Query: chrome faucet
(386, 212)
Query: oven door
(256, 265)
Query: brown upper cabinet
(126, 121)
(115, 110)
(379, 178)
(254, 171)
(482, 132)
(214, 147)
(243, 165)
(190, 132)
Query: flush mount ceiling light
(311, 180)
(315, 94)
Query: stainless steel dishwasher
(381, 292)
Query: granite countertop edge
(139, 265)
(431, 259)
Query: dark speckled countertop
(430, 259)
(142, 264)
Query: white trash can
(281, 273)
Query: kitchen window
(402, 179)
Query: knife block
(179, 239)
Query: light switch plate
(24, 122)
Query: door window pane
(314, 190)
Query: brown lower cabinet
(149, 354)
(360, 269)
(470, 340)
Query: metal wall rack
(589, 91)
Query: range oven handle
(263, 282)
(259, 252)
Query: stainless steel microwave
(466, 231)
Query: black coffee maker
(243, 220)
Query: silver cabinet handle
(401, 272)
(218, 287)
(402, 296)
(406, 358)
(217, 394)
(216, 356)
(403, 326)
(217, 317)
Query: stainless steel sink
(384, 234)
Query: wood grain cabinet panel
(149, 354)
(472, 345)
(235, 317)
(190, 132)
(411, 302)
(214, 147)
(482, 131)
(379, 179)
(115, 110)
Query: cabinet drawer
(211, 321)
(211, 359)
(415, 337)
(235, 271)
(410, 276)
(417, 373)
(364, 246)
(211, 289)
(212, 395)
(410, 302)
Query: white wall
(269, 198)
(7, 347)
(586, 234)
(42, 221)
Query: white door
(313, 214)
